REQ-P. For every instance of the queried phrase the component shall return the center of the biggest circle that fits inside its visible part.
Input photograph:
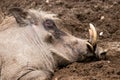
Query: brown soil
(75, 16)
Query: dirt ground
(75, 17)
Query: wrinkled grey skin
(31, 46)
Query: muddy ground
(75, 16)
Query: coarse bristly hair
(41, 16)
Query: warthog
(32, 47)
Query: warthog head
(62, 45)
(75, 49)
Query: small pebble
(101, 33)
(47, 1)
(102, 17)
(108, 61)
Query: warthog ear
(20, 15)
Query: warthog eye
(49, 24)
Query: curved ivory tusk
(93, 34)
(90, 46)
(90, 34)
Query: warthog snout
(98, 52)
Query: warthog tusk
(90, 45)
(93, 34)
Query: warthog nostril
(102, 55)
